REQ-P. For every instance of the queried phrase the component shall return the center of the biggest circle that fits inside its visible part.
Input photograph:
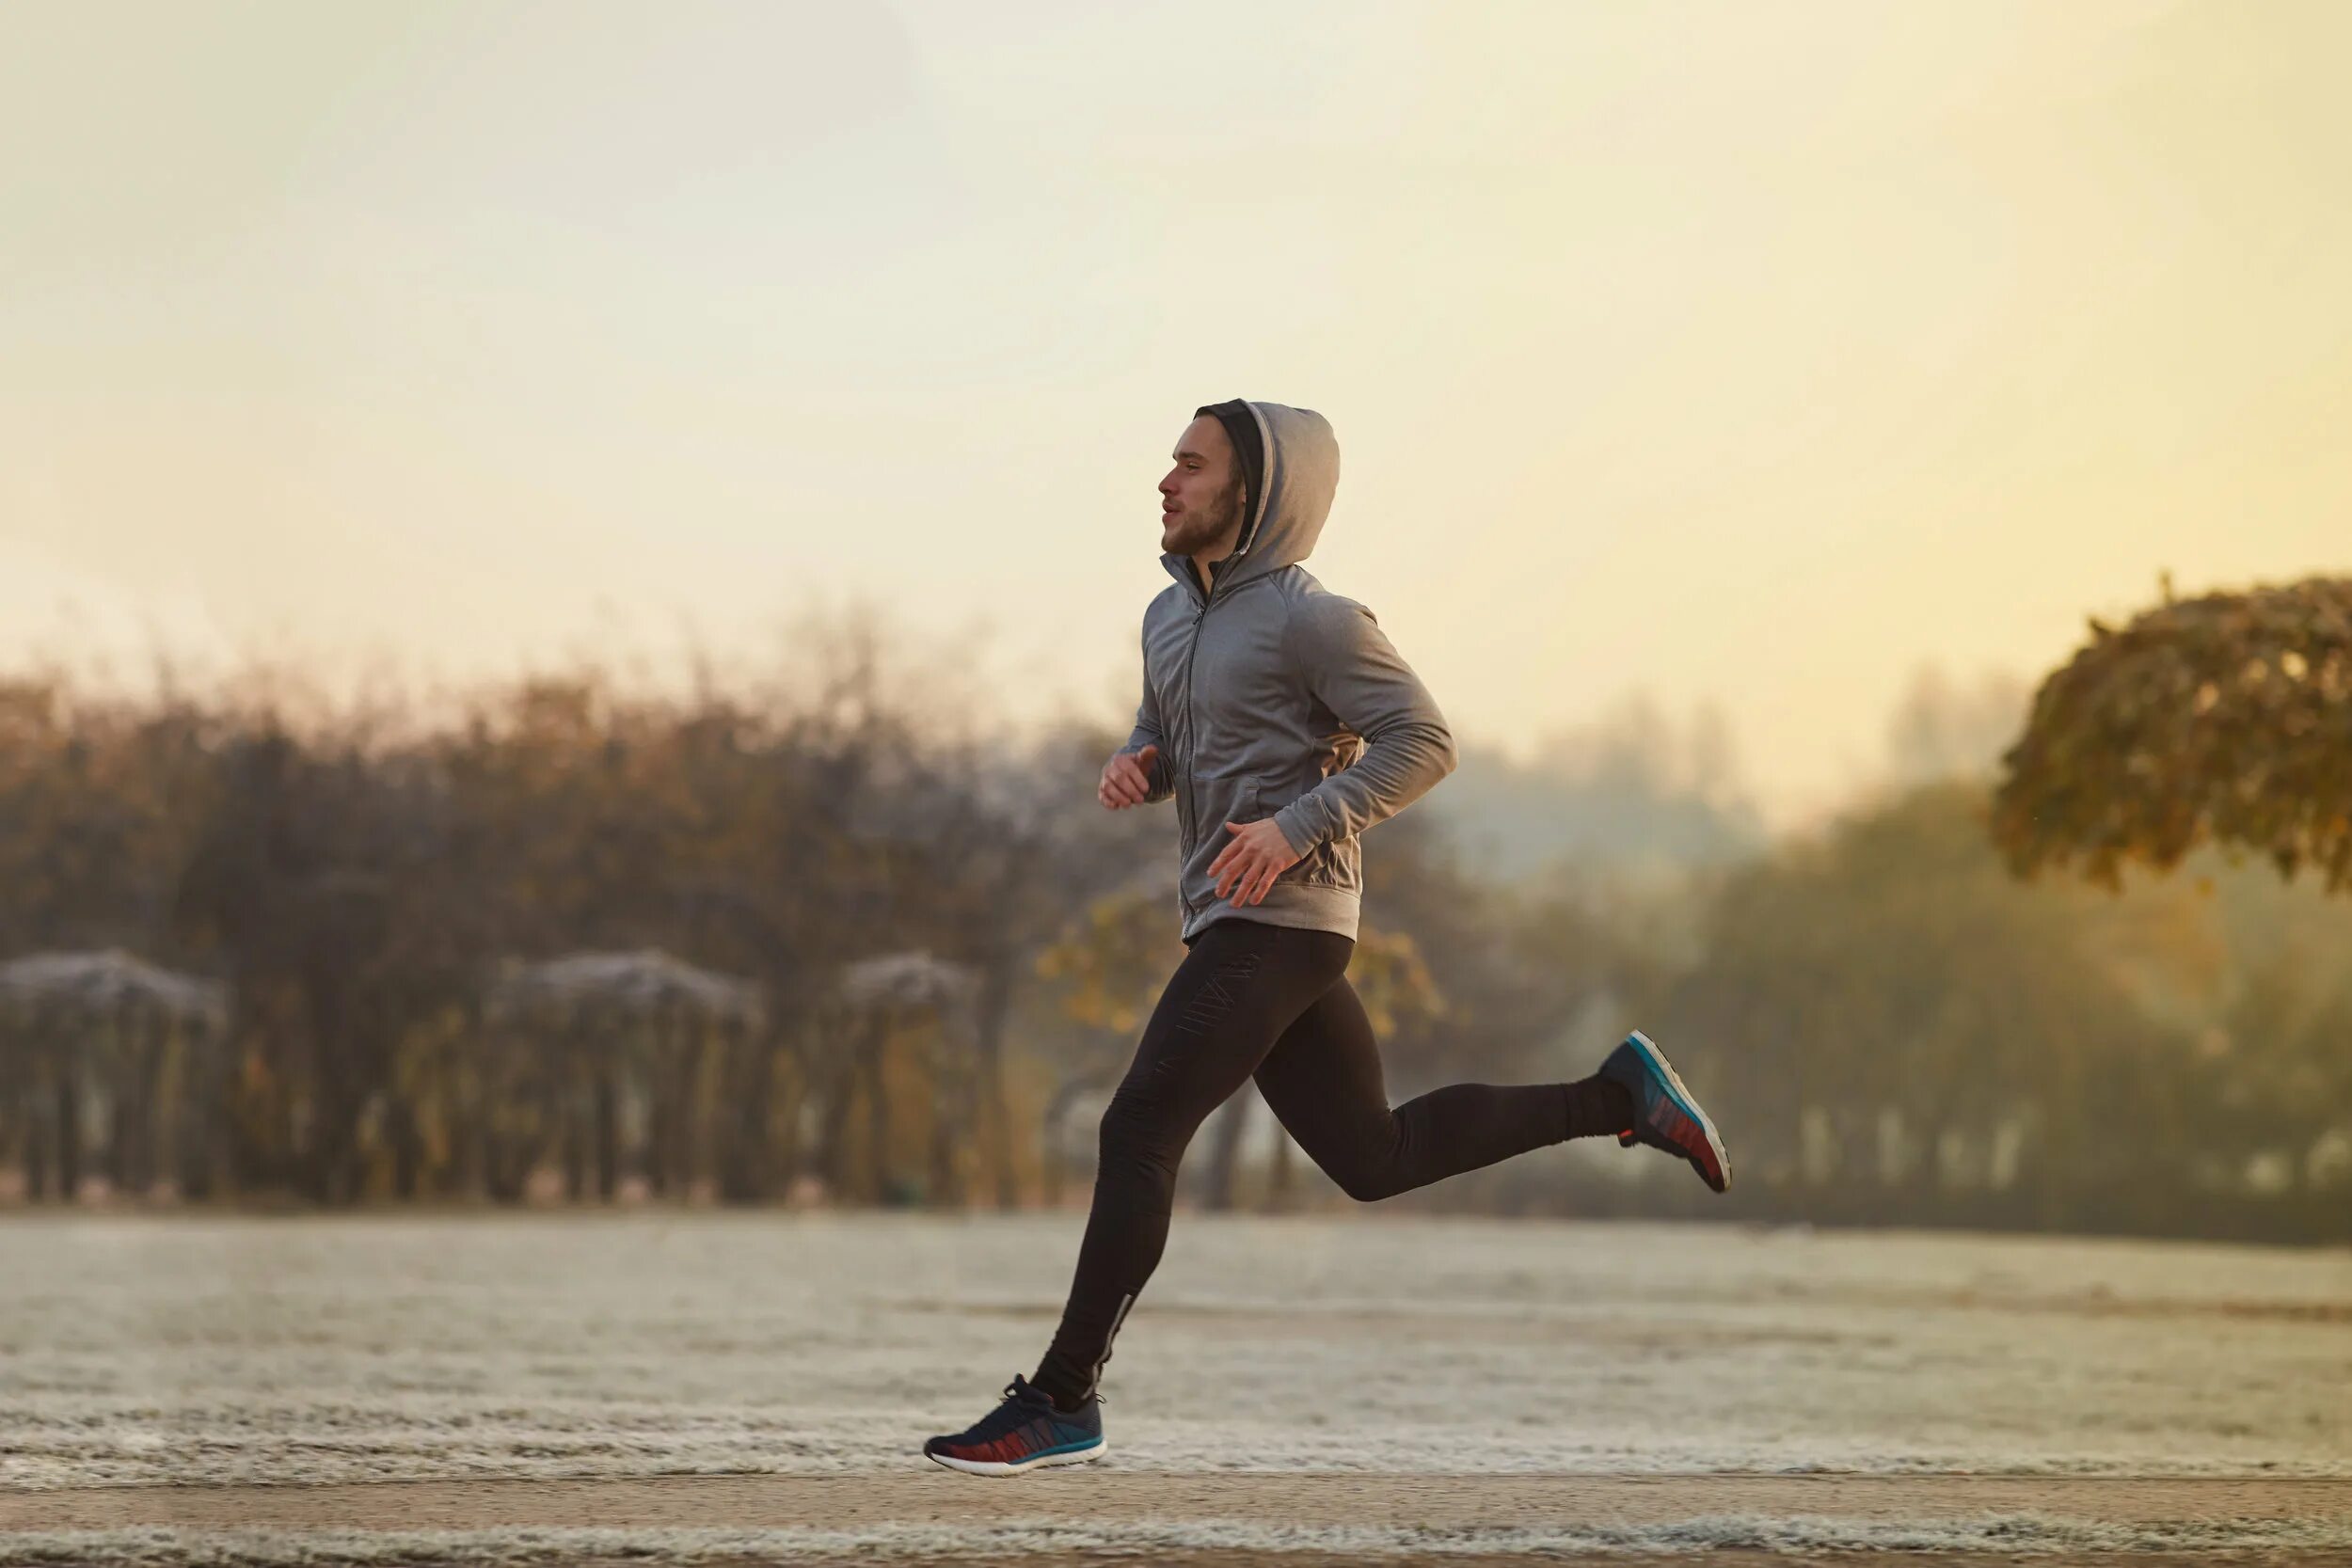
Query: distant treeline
(1891, 1028)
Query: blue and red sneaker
(1027, 1432)
(1665, 1114)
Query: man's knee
(1135, 1133)
(1368, 1183)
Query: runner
(1282, 723)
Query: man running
(1282, 723)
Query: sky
(1743, 356)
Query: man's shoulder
(1166, 601)
(1318, 609)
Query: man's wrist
(1298, 822)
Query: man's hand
(1257, 855)
(1126, 777)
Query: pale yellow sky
(1748, 354)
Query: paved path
(904, 1514)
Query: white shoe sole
(1689, 1103)
(999, 1468)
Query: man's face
(1200, 500)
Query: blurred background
(566, 573)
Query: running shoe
(1027, 1432)
(1665, 1114)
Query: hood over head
(1291, 485)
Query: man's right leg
(1322, 1079)
(1231, 998)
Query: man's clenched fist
(1127, 777)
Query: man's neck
(1202, 562)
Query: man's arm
(1357, 673)
(1147, 733)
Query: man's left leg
(1227, 1003)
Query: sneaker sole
(1034, 1462)
(1687, 1102)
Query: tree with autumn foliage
(2225, 719)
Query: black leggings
(1273, 1003)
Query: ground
(688, 1386)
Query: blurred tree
(1942, 729)
(1019, 850)
(1898, 1029)
(1103, 973)
(100, 804)
(327, 886)
(1630, 791)
(1517, 968)
(2225, 719)
(1889, 1009)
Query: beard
(1189, 531)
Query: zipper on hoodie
(1191, 732)
(1192, 736)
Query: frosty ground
(725, 1387)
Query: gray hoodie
(1272, 697)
